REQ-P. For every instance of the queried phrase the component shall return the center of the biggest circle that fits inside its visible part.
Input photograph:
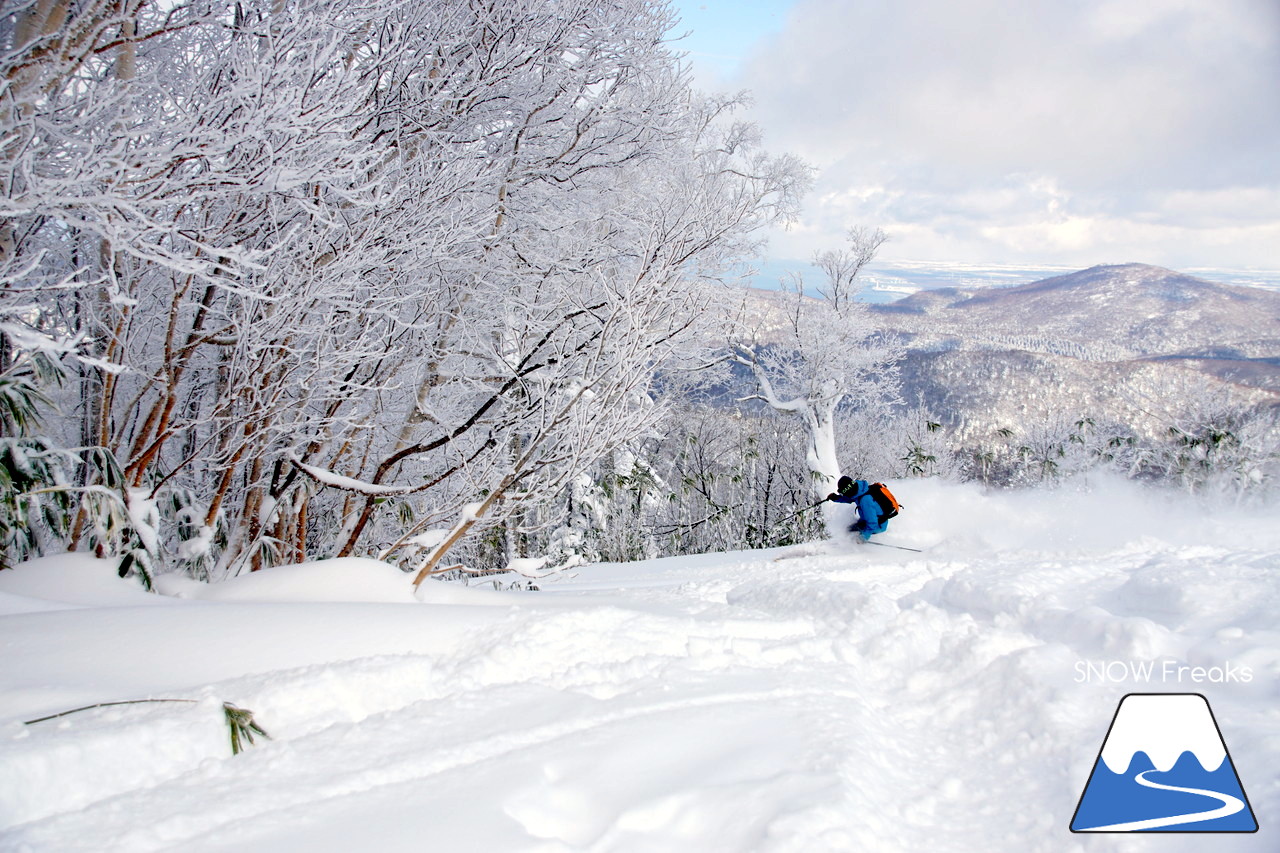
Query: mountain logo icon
(1164, 767)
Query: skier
(870, 514)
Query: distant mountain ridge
(1102, 313)
(1107, 342)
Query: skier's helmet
(845, 485)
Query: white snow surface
(843, 698)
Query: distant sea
(889, 281)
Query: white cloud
(1033, 128)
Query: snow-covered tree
(1207, 439)
(829, 355)
(333, 276)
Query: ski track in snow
(844, 699)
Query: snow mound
(68, 581)
(353, 579)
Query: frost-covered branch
(440, 248)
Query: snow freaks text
(1166, 671)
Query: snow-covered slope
(840, 698)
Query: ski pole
(803, 509)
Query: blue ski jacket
(870, 518)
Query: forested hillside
(1104, 313)
(1169, 377)
(1128, 344)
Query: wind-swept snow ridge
(1163, 726)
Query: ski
(829, 551)
(899, 547)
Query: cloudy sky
(1039, 132)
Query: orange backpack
(889, 505)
